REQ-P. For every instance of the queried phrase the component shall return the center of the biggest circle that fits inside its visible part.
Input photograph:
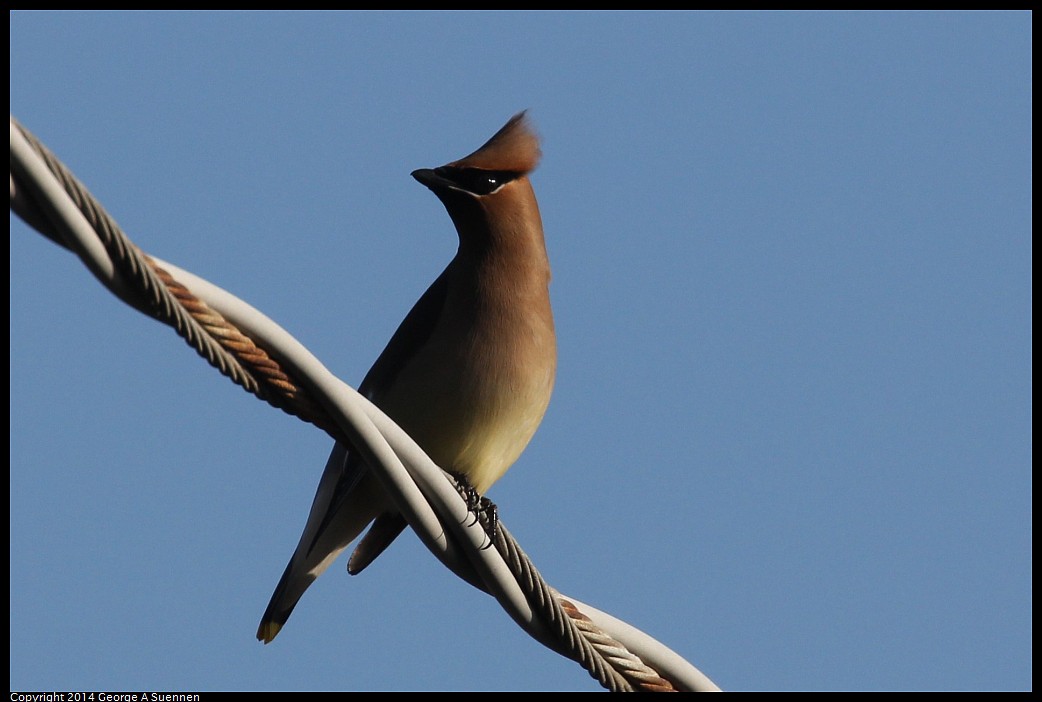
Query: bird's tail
(287, 593)
(331, 526)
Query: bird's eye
(476, 180)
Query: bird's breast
(474, 396)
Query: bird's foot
(483, 509)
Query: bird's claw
(484, 510)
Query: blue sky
(791, 432)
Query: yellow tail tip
(268, 631)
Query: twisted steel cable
(164, 299)
(242, 360)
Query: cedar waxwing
(468, 373)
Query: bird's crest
(514, 148)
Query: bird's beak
(429, 178)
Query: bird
(469, 372)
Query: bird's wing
(348, 496)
